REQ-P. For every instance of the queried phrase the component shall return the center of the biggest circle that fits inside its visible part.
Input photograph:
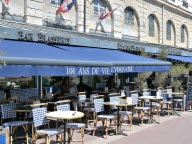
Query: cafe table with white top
(151, 98)
(119, 104)
(64, 115)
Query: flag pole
(84, 21)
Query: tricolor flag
(62, 5)
(102, 16)
(7, 2)
(66, 8)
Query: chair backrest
(82, 95)
(8, 110)
(5, 101)
(36, 101)
(122, 92)
(146, 93)
(98, 104)
(38, 105)
(135, 97)
(23, 94)
(39, 117)
(114, 99)
(169, 92)
(164, 95)
(92, 96)
(153, 92)
(63, 107)
(128, 92)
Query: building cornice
(170, 5)
(78, 39)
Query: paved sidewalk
(175, 131)
(167, 132)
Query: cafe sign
(130, 47)
(42, 37)
(173, 52)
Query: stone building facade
(142, 22)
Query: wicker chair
(71, 126)
(156, 106)
(166, 105)
(122, 113)
(8, 112)
(105, 118)
(139, 109)
(39, 119)
(90, 114)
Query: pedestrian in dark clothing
(83, 87)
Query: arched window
(151, 26)
(99, 7)
(169, 30)
(182, 34)
(129, 16)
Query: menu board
(190, 89)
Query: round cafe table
(151, 98)
(64, 115)
(119, 104)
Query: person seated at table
(65, 85)
(83, 87)
(55, 89)
(111, 83)
(150, 81)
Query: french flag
(102, 16)
(7, 2)
(65, 8)
(62, 5)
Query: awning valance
(180, 58)
(37, 59)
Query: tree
(176, 72)
(141, 80)
(160, 79)
(162, 53)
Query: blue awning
(37, 59)
(180, 58)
